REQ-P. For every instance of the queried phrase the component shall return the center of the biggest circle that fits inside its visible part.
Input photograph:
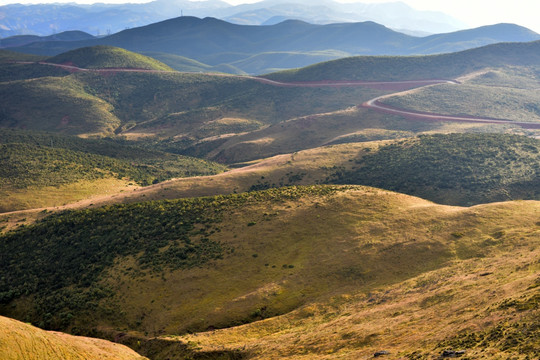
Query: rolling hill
(479, 168)
(456, 169)
(23, 341)
(235, 119)
(294, 256)
(65, 169)
(188, 107)
(21, 40)
(446, 66)
(506, 93)
(308, 270)
(99, 57)
(102, 19)
(211, 41)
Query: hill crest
(101, 56)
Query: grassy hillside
(23, 341)
(7, 56)
(184, 64)
(387, 68)
(335, 260)
(98, 57)
(345, 126)
(456, 169)
(67, 169)
(56, 104)
(179, 106)
(267, 62)
(505, 93)
(12, 72)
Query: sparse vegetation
(31, 162)
(457, 169)
(99, 57)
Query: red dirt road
(377, 105)
(373, 104)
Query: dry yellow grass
(483, 269)
(353, 272)
(52, 196)
(20, 341)
(342, 276)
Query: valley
(370, 206)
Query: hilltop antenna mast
(181, 12)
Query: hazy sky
(473, 12)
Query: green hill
(171, 105)
(184, 64)
(456, 169)
(66, 169)
(179, 63)
(308, 269)
(56, 104)
(501, 93)
(10, 70)
(99, 57)
(8, 55)
(443, 66)
(23, 341)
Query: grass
(35, 197)
(337, 262)
(56, 104)
(99, 57)
(64, 169)
(12, 72)
(388, 68)
(502, 168)
(7, 55)
(23, 341)
(459, 306)
(489, 101)
(455, 169)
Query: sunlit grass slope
(99, 57)
(484, 301)
(191, 265)
(23, 341)
(40, 169)
(456, 169)
(388, 68)
(476, 100)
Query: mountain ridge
(208, 40)
(103, 19)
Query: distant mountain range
(262, 49)
(103, 19)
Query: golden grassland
(353, 272)
(20, 341)
(346, 274)
(361, 271)
(52, 196)
(416, 318)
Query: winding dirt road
(374, 104)
(377, 105)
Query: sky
(472, 12)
